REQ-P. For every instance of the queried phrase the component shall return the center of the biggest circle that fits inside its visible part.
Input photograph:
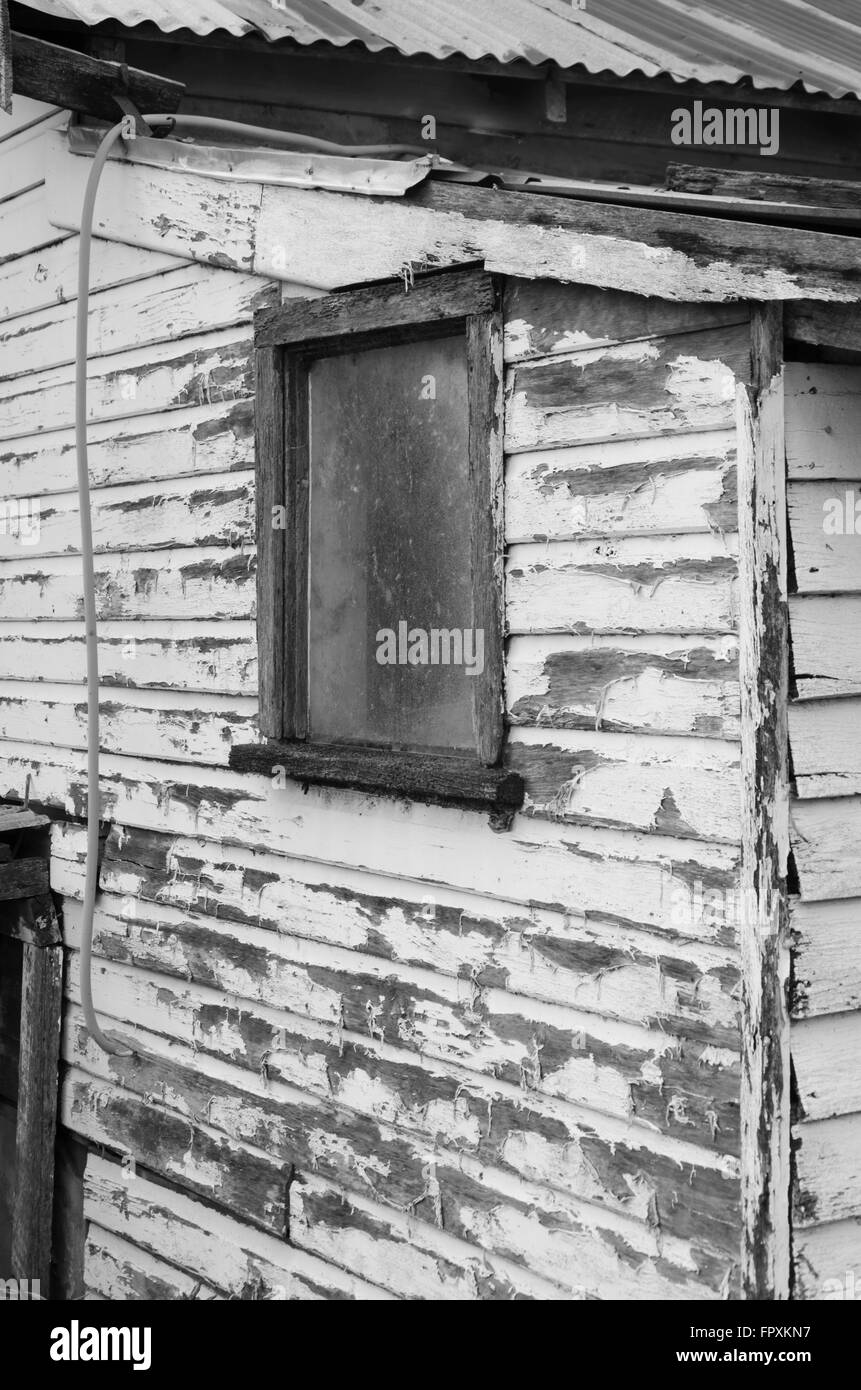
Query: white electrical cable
(87, 564)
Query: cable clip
(127, 106)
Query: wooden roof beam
(77, 82)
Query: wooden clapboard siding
(679, 584)
(208, 439)
(678, 384)
(213, 581)
(268, 1124)
(826, 645)
(200, 511)
(199, 370)
(676, 484)
(177, 303)
(172, 725)
(597, 965)
(45, 279)
(120, 1271)
(823, 420)
(648, 682)
(828, 1260)
(216, 1254)
(827, 963)
(683, 787)
(382, 1050)
(192, 655)
(823, 411)
(25, 226)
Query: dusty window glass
(392, 651)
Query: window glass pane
(392, 654)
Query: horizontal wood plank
(823, 738)
(683, 787)
(214, 582)
(216, 438)
(646, 683)
(827, 968)
(602, 967)
(186, 655)
(824, 835)
(168, 306)
(828, 1182)
(826, 644)
(822, 404)
(825, 1061)
(176, 726)
(633, 390)
(678, 584)
(544, 317)
(197, 371)
(219, 1251)
(199, 511)
(580, 867)
(670, 485)
(825, 547)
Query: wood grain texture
(826, 645)
(217, 658)
(824, 1057)
(672, 584)
(216, 1251)
(823, 413)
(201, 511)
(359, 239)
(204, 439)
(82, 83)
(763, 663)
(170, 305)
(587, 868)
(823, 833)
(643, 487)
(827, 957)
(654, 386)
(600, 966)
(687, 788)
(828, 1261)
(213, 581)
(198, 371)
(823, 738)
(648, 683)
(41, 1001)
(825, 546)
(544, 317)
(828, 1186)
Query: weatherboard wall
(380, 1049)
(823, 411)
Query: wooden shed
(477, 553)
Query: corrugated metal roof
(775, 43)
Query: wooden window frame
(287, 339)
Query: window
(379, 476)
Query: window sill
(443, 779)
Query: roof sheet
(774, 43)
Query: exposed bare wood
(763, 661)
(837, 194)
(361, 239)
(827, 957)
(83, 83)
(41, 1003)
